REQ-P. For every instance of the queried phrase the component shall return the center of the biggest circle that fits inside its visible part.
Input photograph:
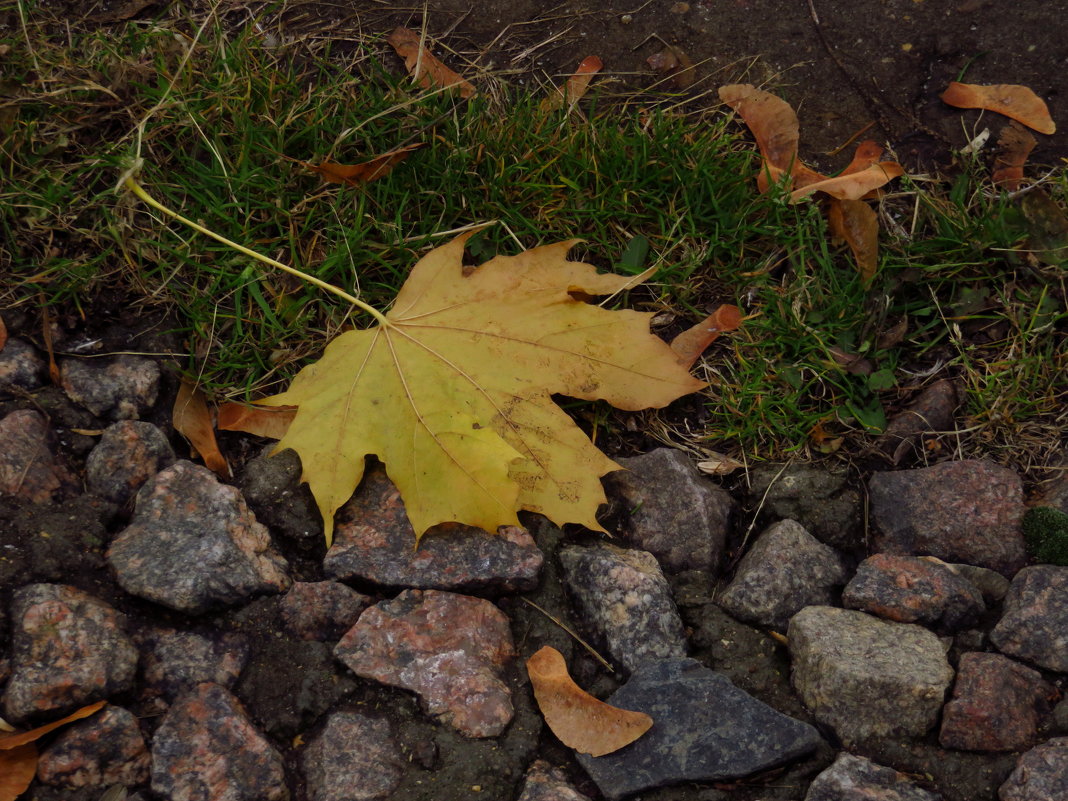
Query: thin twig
(568, 629)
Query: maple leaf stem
(138, 190)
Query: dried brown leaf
(856, 222)
(853, 186)
(867, 153)
(575, 87)
(427, 71)
(691, 343)
(854, 363)
(718, 464)
(771, 119)
(192, 419)
(1014, 146)
(18, 766)
(673, 63)
(1016, 102)
(263, 421)
(365, 172)
(578, 719)
(10, 741)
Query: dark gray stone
(821, 499)
(786, 570)
(322, 610)
(543, 782)
(1041, 774)
(625, 600)
(28, 468)
(666, 507)
(129, 453)
(991, 584)
(272, 488)
(20, 366)
(352, 758)
(106, 748)
(854, 778)
(1034, 625)
(176, 661)
(704, 729)
(120, 387)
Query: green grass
(226, 129)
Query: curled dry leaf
(263, 421)
(1016, 102)
(575, 87)
(674, 64)
(867, 153)
(427, 71)
(691, 343)
(578, 719)
(365, 172)
(856, 222)
(14, 740)
(718, 464)
(192, 419)
(18, 766)
(771, 119)
(1014, 146)
(853, 186)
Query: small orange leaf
(14, 740)
(691, 343)
(1017, 102)
(575, 86)
(578, 719)
(867, 153)
(365, 172)
(853, 186)
(192, 420)
(427, 71)
(18, 766)
(263, 421)
(1014, 146)
(856, 222)
(675, 65)
(771, 119)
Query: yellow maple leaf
(451, 391)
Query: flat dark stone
(704, 729)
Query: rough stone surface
(122, 387)
(911, 589)
(374, 541)
(272, 488)
(1041, 774)
(625, 600)
(176, 661)
(997, 705)
(27, 467)
(20, 366)
(1034, 625)
(992, 585)
(129, 453)
(705, 729)
(449, 649)
(786, 570)
(322, 610)
(68, 650)
(193, 544)
(968, 511)
(865, 677)
(99, 751)
(669, 509)
(353, 758)
(820, 499)
(207, 748)
(853, 778)
(543, 782)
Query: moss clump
(1046, 532)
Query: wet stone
(543, 782)
(1041, 774)
(104, 749)
(353, 758)
(192, 544)
(129, 453)
(121, 388)
(854, 778)
(997, 705)
(623, 597)
(68, 650)
(1034, 626)
(820, 499)
(176, 661)
(968, 511)
(321, 610)
(27, 467)
(668, 508)
(704, 729)
(207, 748)
(865, 677)
(449, 649)
(910, 589)
(374, 541)
(272, 488)
(20, 366)
(786, 570)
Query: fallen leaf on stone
(14, 740)
(718, 464)
(853, 186)
(427, 71)
(452, 391)
(575, 87)
(192, 419)
(857, 223)
(579, 720)
(1016, 102)
(259, 420)
(1014, 146)
(365, 172)
(672, 63)
(18, 766)
(692, 342)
